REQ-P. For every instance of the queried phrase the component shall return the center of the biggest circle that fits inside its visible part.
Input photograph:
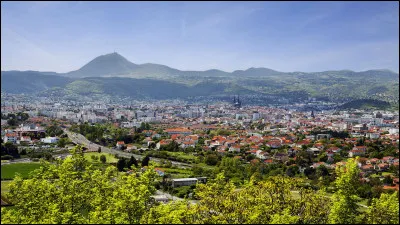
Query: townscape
(200, 112)
(203, 137)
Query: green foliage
(366, 104)
(145, 161)
(9, 148)
(103, 159)
(211, 159)
(54, 131)
(384, 210)
(344, 207)
(121, 164)
(71, 191)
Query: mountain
(105, 65)
(114, 64)
(31, 81)
(256, 72)
(114, 75)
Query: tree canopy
(72, 191)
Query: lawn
(177, 173)
(8, 171)
(386, 174)
(4, 185)
(110, 157)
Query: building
(10, 137)
(187, 181)
(236, 102)
(182, 130)
(160, 198)
(120, 144)
(49, 140)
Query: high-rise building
(236, 102)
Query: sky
(284, 36)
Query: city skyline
(284, 36)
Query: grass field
(8, 171)
(4, 185)
(110, 157)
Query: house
(268, 161)
(262, 155)
(373, 161)
(317, 164)
(334, 149)
(353, 153)
(230, 143)
(49, 140)
(281, 157)
(367, 168)
(382, 166)
(361, 148)
(315, 151)
(159, 171)
(120, 144)
(150, 143)
(147, 133)
(234, 148)
(320, 146)
(163, 142)
(329, 153)
(180, 130)
(186, 144)
(11, 137)
(274, 144)
(301, 143)
(388, 159)
(293, 151)
(253, 152)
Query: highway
(80, 139)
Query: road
(80, 139)
(28, 160)
(173, 198)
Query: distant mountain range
(112, 74)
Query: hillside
(365, 104)
(112, 74)
(104, 65)
(30, 81)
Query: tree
(388, 180)
(121, 164)
(344, 207)
(384, 210)
(54, 131)
(291, 171)
(78, 193)
(145, 161)
(12, 122)
(322, 171)
(103, 159)
(211, 159)
(9, 148)
(62, 142)
(132, 161)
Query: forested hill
(112, 74)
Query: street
(80, 139)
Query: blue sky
(285, 36)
